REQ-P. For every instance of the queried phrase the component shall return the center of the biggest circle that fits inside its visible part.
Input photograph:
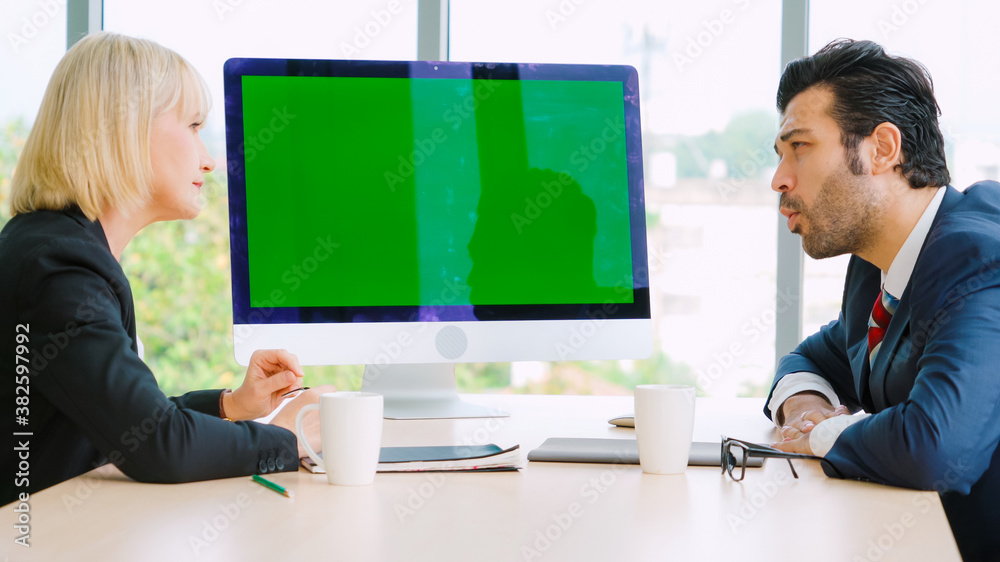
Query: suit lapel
(871, 380)
(893, 337)
(859, 360)
(861, 290)
(877, 379)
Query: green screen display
(404, 192)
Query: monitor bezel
(272, 313)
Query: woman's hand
(272, 373)
(310, 423)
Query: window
(708, 73)
(180, 270)
(34, 41)
(956, 42)
(209, 33)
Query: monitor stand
(421, 391)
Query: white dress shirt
(894, 281)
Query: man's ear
(886, 143)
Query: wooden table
(547, 511)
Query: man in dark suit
(915, 347)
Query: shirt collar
(895, 280)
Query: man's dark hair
(871, 87)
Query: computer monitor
(408, 216)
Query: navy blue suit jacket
(934, 389)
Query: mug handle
(305, 442)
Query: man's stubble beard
(845, 217)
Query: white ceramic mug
(664, 425)
(351, 433)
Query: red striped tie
(885, 307)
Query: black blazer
(87, 396)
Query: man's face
(835, 210)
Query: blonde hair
(89, 145)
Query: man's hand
(272, 373)
(800, 414)
(797, 445)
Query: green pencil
(268, 484)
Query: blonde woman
(115, 148)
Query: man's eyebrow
(789, 134)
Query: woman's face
(180, 160)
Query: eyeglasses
(735, 453)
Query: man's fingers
(814, 417)
(788, 432)
(804, 421)
(809, 419)
(799, 445)
(785, 446)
